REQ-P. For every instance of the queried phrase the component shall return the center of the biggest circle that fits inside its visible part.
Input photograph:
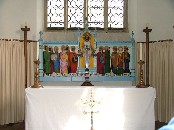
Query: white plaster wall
(132, 16)
(157, 13)
(13, 15)
(39, 17)
(72, 36)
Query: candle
(141, 51)
(147, 24)
(37, 50)
(25, 23)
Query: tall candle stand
(36, 77)
(141, 83)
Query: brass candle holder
(36, 77)
(141, 83)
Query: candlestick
(36, 79)
(141, 83)
(141, 51)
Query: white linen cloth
(62, 108)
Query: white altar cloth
(61, 108)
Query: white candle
(141, 51)
(37, 50)
(147, 24)
(25, 23)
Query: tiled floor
(21, 126)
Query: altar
(62, 108)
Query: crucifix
(91, 102)
(25, 29)
(147, 30)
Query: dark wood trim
(158, 41)
(17, 40)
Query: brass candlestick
(36, 77)
(141, 83)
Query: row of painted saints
(59, 62)
(65, 59)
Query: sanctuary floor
(21, 126)
(16, 126)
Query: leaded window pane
(55, 13)
(96, 13)
(75, 13)
(115, 13)
(63, 14)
